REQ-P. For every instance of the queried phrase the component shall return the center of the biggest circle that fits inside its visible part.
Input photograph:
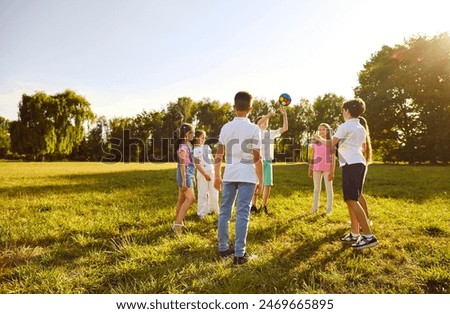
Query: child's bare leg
(353, 221)
(189, 199)
(363, 203)
(266, 193)
(360, 215)
(180, 202)
(255, 198)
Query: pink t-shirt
(322, 157)
(188, 153)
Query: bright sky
(135, 55)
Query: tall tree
(96, 145)
(211, 116)
(69, 114)
(184, 109)
(428, 62)
(5, 140)
(50, 125)
(327, 109)
(261, 107)
(406, 89)
(384, 99)
(300, 118)
(33, 134)
(144, 123)
(156, 148)
(123, 142)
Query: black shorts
(353, 181)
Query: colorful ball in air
(285, 99)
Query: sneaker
(177, 229)
(364, 243)
(226, 253)
(241, 260)
(349, 238)
(254, 209)
(264, 208)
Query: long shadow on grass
(279, 274)
(94, 195)
(66, 251)
(406, 182)
(59, 251)
(387, 181)
(166, 275)
(293, 280)
(100, 182)
(171, 273)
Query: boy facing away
(351, 136)
(240, 141)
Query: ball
(284, 99)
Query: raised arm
(264, 118)
(284, 128)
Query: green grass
(98, 228)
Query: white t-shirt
(268, 143)
(240, 137)
(204, 154)
(351, 135)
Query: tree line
(406, 89)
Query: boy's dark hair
(356, 107)
(242, 101)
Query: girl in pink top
(322, 165)
(185, 175)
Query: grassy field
(98, 228)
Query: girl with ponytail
(185, 175)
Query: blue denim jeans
(244, 192)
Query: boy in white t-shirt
(267, 153)
(207, 195)
(240, 141)
(351, 136)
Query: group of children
(249, 151)
(191, 157)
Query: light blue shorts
(190, 171)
